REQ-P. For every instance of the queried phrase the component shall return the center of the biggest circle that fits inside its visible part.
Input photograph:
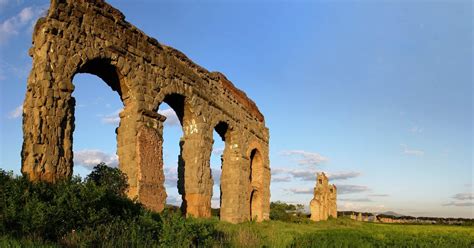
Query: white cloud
(218, 151)
(464, 196)
(349, 189)
(302, 190)
(379, 195)
(279, 179)
(277, 171)
(306, 158)
(17, 112)
(410, 151)
(171, 117)
(344, 175)
(91, 158)
(20, 22)
(171, 176)
(459, 204)
(305, 175)
(366, 199)
(216, 175)
(112, 118)
(462, 200)
(310, 174)
(174, 200)
(215, 202)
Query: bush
(287, 212)
(111, 178)
(50, 211)
(93, 212)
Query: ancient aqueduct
(86, 36)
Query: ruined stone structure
(85, 36)
(323, 203)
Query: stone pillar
(48, 116)
(195, 182)
(315, 208)
(259, 193)
(266, 185)
(234, 181)
(140, 150)
(150, 177)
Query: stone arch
(104, 69)
(224, 132)
(147, 72)
(255, 205)
(107, 71)
(256, 178)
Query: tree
(114, 180)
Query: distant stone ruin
(386, 218)
(323, 204)
(84, 36)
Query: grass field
(345, 233)
(96, 213)
(331, 233)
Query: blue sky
(376, 93)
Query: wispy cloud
(459, 204)
(366, 199)
(171, 117)
(216, 175)
(218, 151)
(174, 200)
(379, 195)
(463, 196)
(279, 179)
(17, 112)
(461, 200)
(310, 174)
(171, 176)
(90, 158)
(410, 151)
(112, 118)
(306, 158)
(20, 22)
(304, 175)
(302, 190)
(344, 175)
(349, 189)
(278, 171)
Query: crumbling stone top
(107, 10)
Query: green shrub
(111, 178)
(51, 210)
(287, 212)
(94, 212)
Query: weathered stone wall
(84, 36)
(323, 203)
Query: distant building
(323, 203)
